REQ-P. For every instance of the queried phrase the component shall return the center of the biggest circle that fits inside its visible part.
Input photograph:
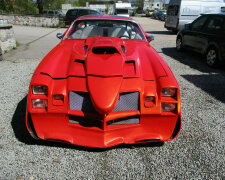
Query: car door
(191, 36)
(214, 31)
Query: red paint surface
(104, 76)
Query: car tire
(212, 57)
(179, 44)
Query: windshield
(82, 29)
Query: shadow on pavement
(212, 82)
(21, 133)
(191, 59)
(161, 32)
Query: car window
(72, 12)
(93, 12)
(83, 29)
(215, 23)
(173, 10)
(83, 12)
(50, 12)
(199, 23)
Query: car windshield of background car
(82, 29)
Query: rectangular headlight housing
(40, 90)
(39, 103)
(169, 107)
(169, 92)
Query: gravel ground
(197, 153)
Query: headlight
(40, 90)
(169, 92)
(39, 103)
(169, 107)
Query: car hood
(103, 57)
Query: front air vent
(148, 140)
(81, 101)
(123, 48)
(125, 120)
(85, 122)
(85, 48)
(104, 50)
(129, 69)
(128, 102)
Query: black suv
(205, 35)
(73, 14)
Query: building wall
(148, 4)
(31, 20)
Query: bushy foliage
(18, 7)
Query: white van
(122, 9)
(181, 12)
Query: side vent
(104, 50)
(123, 48)
(79, 67)
(85, 48)
(129, 69)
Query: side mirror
(59, 35)
(150, 38)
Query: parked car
(73, 14)
(206, 36)
(140, 13)
(149, 12)
(162, 15)
(154, 14)
(181, 12)
(56, 13)
(104, 85)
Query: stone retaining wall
(7, 39)
(31, 20)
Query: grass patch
(17, 44)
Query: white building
(154, 4)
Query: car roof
(214, 14)
(106, 17)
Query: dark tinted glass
(173, 10)
(72, 12)
(83, 12)
(199, 23)
(50, 12)
(215, 23)
(93, 12)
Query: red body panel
(70, 68)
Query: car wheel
(179, 44)
(211, 57)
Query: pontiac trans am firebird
(103, 85)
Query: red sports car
(104, 85)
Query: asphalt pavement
(197, 153)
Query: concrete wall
(31, 20)
(7, 39)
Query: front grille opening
(104, 50)
(128, 101)
(85, 122)
(147, 140)
(125, 120)
(81, 101)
